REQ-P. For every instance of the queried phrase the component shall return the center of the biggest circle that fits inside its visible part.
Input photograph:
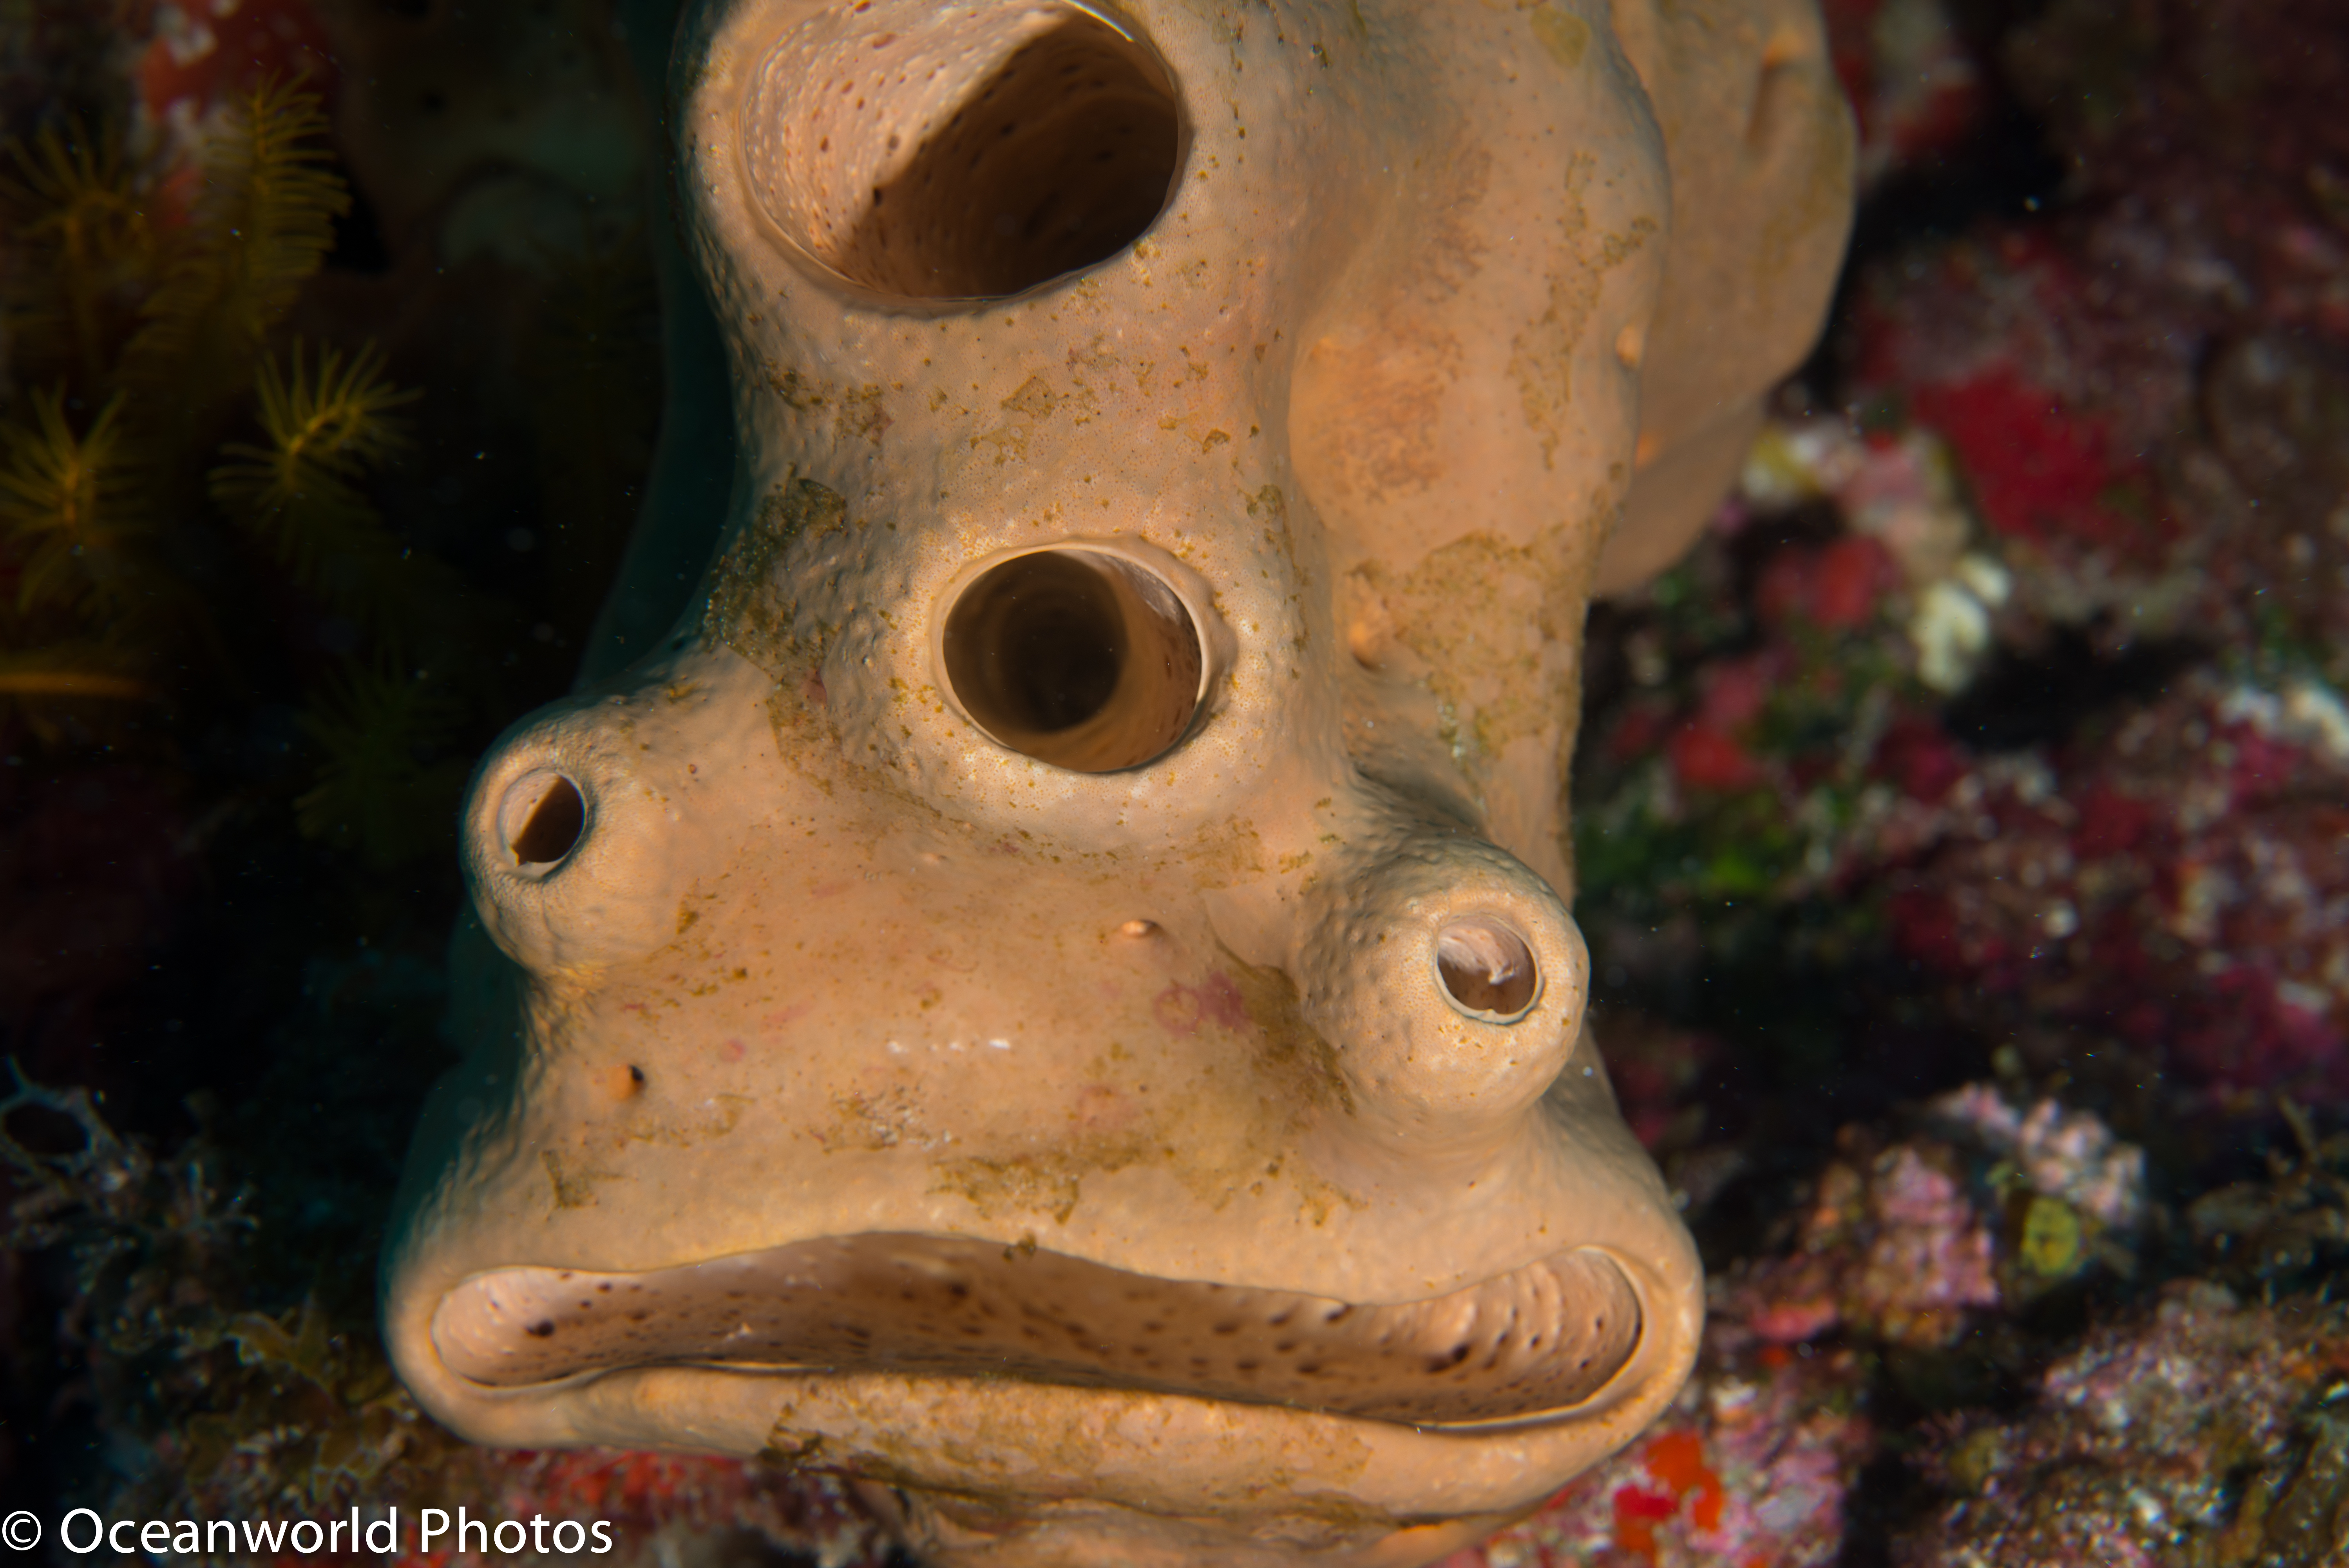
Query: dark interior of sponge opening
(1487, 968)
(1061, 157)
(1075, 658)
(554, 825)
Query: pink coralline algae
(2064, 1154)
(2204, 1431)
(2148, 467)
(1909, 1244)
(2172, 877)
(2143, 384)
(2038, 469)
(1890, 1246)
(2182, 883)
(658, 1504)
(1750, 1467)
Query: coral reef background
(1964, 829)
